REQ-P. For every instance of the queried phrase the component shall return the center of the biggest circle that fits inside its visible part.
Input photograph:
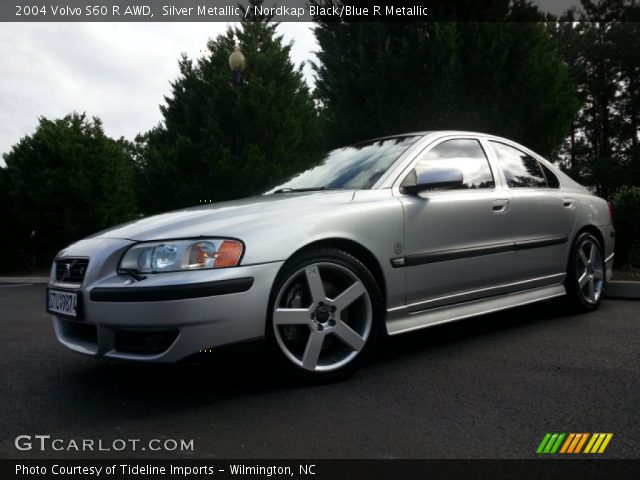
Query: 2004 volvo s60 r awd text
(381, 237)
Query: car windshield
(357, 166)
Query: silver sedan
(378, 238)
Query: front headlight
(179, 255)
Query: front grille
(144, 342)
(71, 270)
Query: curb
(623, 289)
(37, 280)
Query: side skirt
(401, 320)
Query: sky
(557, 7)
(119, 72)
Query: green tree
(498, 77)
(217, 141)
(588, 49)
(602, 52)
(12, 253)
(627, 38)
(65, 181)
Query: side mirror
(432, 178)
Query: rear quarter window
(520, 169)
(552, 178)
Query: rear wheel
(586, 273)
(325, 315)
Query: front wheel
(586, 273)
(325, 315)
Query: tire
(325, 315)
(586, 278)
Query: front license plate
(63, 302)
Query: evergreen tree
(497, 77)
(627, 40)
(12, 253)
(65, 181)
(219, 141)
(602, 150)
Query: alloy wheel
(589, 270)
(322, 316)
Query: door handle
(500, 206)
(567, 202)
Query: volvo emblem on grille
(67, 270)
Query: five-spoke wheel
(586, 273)
(324, 312)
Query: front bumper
(165, 317)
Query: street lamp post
(237, 64)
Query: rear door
(458, 242)
(544, 215)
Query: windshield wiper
(307, 189)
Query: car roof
(424, 133)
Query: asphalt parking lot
(489, 387)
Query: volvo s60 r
(378, 238)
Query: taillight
(610, 212)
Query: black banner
(296, 10)
(127, 469)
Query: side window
(552, 179)
(521, 170)
(466, 155)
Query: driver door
(458, 240)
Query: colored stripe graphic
(598, 443)
(583, 439)
(556, 446)
(544, 441)
(573, 443)
(608, 438)
(576, 438)
(550, 443)
(591, 442)
(567, 442)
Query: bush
(626, 207)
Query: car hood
(228, 218)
